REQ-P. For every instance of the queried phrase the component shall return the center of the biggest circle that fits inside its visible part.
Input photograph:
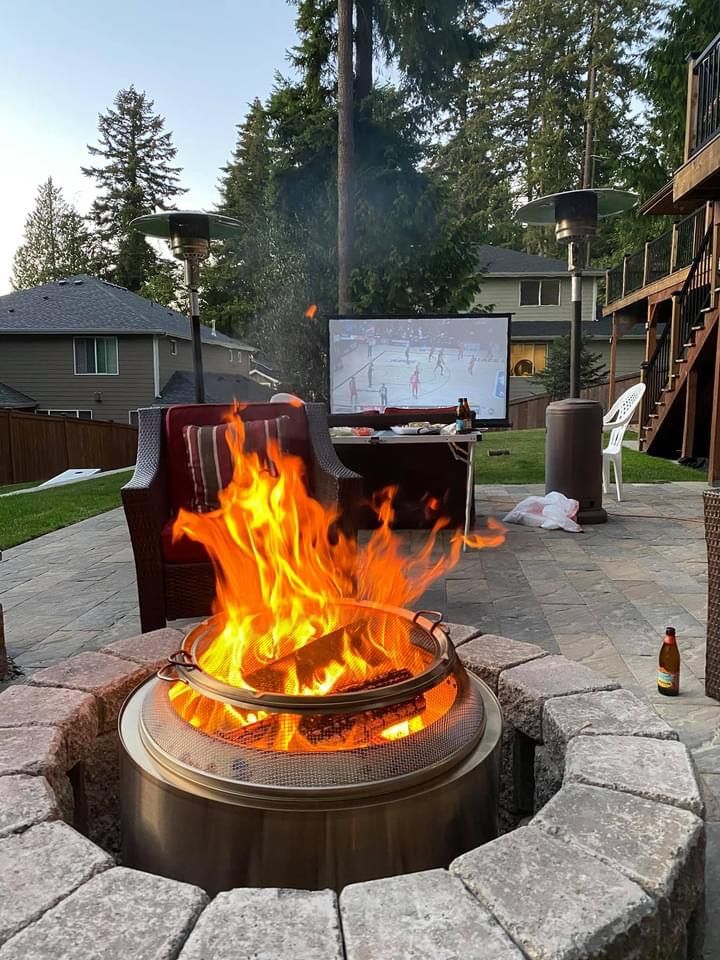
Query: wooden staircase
(667, 375)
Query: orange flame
(283, 569)
(312, 311)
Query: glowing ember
(283, 569)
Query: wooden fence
(529, 412)
(34, 447)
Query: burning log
(336, 729)
(340, 646)
(251, 734)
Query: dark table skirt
(431, 481)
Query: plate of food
(416, 428)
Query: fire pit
(395, 770)
(311, 733)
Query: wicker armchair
(176, 580)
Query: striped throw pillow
(210, 461)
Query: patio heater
(573, 447)
(189, 233)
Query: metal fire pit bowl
(220, 814)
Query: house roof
(501, 262)
(10, 398)
(219, 388)
(551, 329)
(84, 304)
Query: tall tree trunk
(345, 152)
(588, 175)
(364, 11)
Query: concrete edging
(609, 866)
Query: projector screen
(421, 362)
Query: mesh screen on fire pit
(175, 742)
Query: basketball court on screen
(419, 362)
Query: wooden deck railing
(34, 447)
(705, 78)
(672, 251)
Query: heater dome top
(188, 224)
(546, 211)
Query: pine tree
(556, 375)
(57, 243)
(136, 178)
(238, 280)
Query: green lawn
(526, 463)
(19, 486)
(30, 515)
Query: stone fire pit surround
(608, 865)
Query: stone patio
(602, 598)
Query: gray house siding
(216, 358)
(630, 354)
(43, 368)
(503, 293)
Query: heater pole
(575, 254)
(192, 281)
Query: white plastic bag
(551, 512)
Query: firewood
(306, 661)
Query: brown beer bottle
(467, 416)
(668, 679)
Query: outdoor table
(461, 446)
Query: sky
(62, 64)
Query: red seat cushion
(420, 412)
(183, 550)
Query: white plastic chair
(617, 419)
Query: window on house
(97, 356)
(173, 348)
(73, 414)
(133, 418)
(527, 359)
(539, 293)
(231, 356)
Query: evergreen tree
(556, 375)
(56, 243)
(239, 279)
(136, 178)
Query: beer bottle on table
(668, 679)
(459, 417)
(468, 416)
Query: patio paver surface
(602, 597)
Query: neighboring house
(536, 290)
(85, 348)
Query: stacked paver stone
(609, 867)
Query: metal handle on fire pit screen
(436, 624)
(181, 658)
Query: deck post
(673, 249)
(613, 360)
(624, 283)
(714, 458)
(688, 442)
(646, 264)
(674, 336)
(691, 109)
(642, 410)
